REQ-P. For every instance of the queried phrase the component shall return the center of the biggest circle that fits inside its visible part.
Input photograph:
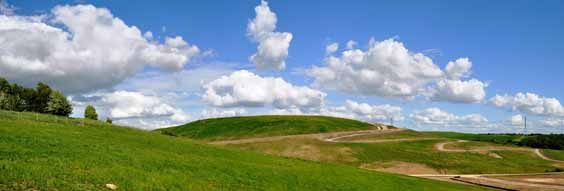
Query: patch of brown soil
(557, 179)
(400, 167)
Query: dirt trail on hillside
(488, 180)
(441, 147)
(328, 137)
(520, 182)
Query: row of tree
(41, 99)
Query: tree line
(542, 141)
(41, 99)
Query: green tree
(109, 120)
(90, 113)
(42, 94)
(58, 104)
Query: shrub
(90, 113)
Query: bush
(90, 113)
(58, 104)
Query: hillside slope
(41, 152)
(263, 126)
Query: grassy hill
(42, 152)
(418, 153)
(263, 126)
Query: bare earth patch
(400, 167)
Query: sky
(477, 66)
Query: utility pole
(524, 124)
(392, 121)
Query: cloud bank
(73, 46)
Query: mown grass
(554, 154)
(396, 135)
(420, 152)
(495, 138)
(56, 154)
(263, 126)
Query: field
(554, 154)
(263, 126)
(387, 156)
(42, 152)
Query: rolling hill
(263, 126)
(43, 152)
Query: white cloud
(125, 104)
(453, 89)
(516, 120)
(351, 44)
(389, 69)
(553, 122)
(386, 69)
(215, 113)
(470, 91)
(458, 69)
(273, 46)
(331, 48)
(133, 108)
(369, 112)
(529, 103)
(243, 88)
(77, 44)
(436, 116)
(6, 8)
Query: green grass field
(554, 154)
(263, 126)
(41, 152)
(495, 138)
(419, 152)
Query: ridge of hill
(230, 128)
(44, 152)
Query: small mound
(264, 126)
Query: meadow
(263, 126)
(43, 152)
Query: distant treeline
(41, 99)
(550, 141)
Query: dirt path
(441, 147)
(328, 137)
(478, 179)
(490, 180)
(539, 153)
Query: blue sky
(514, 47)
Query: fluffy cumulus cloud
(72, 46)
(529, 103)
(516, 120)
(453, 88)
(6, 8)
(458, 91)
(246, 89)
(458, 68)
(134, 108)
(215, 112)
(331, 48)
(389, 69)
(351, 44)
(436, 116)
(273, 46)
(386, 69)
(553, 122)
(369, 112)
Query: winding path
(479, 179)
(441, 147)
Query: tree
(109, 120)
(90, 113)
(58, 104)
(43, 92)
